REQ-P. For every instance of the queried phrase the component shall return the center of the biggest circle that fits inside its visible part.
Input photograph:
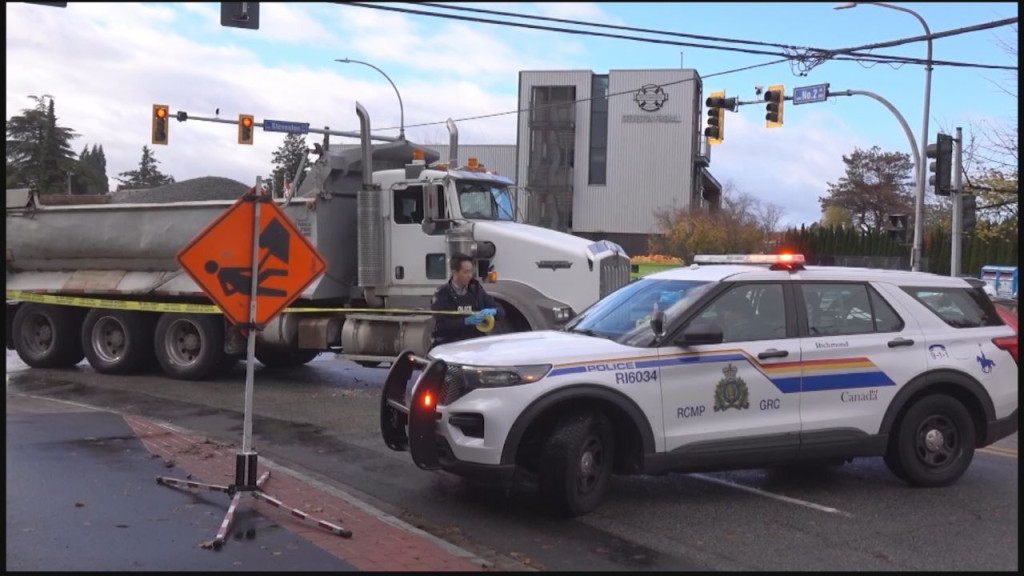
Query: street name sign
(809, 94)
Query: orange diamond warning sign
(219, 259)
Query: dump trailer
(102, 281)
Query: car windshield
(485, 201)
(625, 315)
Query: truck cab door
(416, 250)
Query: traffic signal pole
(958, 202)
(183, 116)
(915, 252)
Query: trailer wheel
(190, 346)
(118, 341)
(284, 358)
(47, 336)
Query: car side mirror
(700, 333)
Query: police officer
(461, 293)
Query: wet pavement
(82, 495)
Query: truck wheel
(190, 346)
(284, 358)
(47, 336)
(934, 443)
(576, 463)
(117, 341)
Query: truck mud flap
(408, 421)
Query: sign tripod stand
(246, 460)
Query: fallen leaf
(79, 504)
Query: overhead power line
(818, 55)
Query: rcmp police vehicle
(712, 367)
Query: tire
(283, 357)
(190, 346)
(934, 443)
(118, 341)
(576, 463)
(47, 336)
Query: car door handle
(901, 342)
(773, 353)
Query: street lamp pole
(922, 168)
(401, 108)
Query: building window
(598, 169)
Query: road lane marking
(780, 497)
(998, 450)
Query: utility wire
(609, 95)
(819, 55)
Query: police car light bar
(773, 259)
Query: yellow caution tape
(85, 302)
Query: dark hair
(455, 262)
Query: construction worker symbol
(273, 243)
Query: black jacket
(453, 327)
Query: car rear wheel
(576, 463)
(934, 443)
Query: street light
(922, 168)
(401, 108)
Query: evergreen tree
(287, 159)
(146, 176)
(39, 153)
(876, 185)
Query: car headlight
(501, 376)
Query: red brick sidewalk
(379, 542)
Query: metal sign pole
(246, 460)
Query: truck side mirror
(429, 226)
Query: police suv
(753, 363)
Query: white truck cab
(757, 362)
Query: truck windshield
(625, 315)
(485, 201)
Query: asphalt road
(323, 419)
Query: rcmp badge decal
(731, 391)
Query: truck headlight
(562, 313)
(501, 376)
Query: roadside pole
(958, 202)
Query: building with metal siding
(602, 153)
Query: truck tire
(934, 443)
(576, 463)
(118, 341)
(47, 336)
(283, 357)
(190, 346)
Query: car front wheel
(576, 463)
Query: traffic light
(898, 227)
(160, 124)
(245, 129)
(775, 98)
(715, 132)
(942, 167)
(968, 212)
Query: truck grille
(454, 386)
(614, 274)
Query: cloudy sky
(106, 64)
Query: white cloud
(789, 166)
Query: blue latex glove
(488, 312)
(474, 320)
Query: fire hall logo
(650, 97)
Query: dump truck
(102, 281)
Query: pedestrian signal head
(160, 123)
(245, 124)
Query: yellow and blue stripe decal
(788, 377)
